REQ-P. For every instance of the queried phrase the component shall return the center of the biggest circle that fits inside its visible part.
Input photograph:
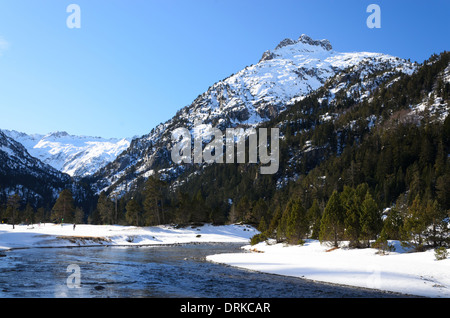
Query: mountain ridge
(249, 97)
(78, 156)
(22, 173)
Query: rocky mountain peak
(325, 44)
(300, 42)
(58, 134)
(284, 43)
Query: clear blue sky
(134, 63)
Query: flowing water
(156, 271)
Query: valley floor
(409, 273)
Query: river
(154, 271)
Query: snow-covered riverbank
(51, 235)
(409, 273)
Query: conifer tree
(154, 200)
(352, 208)
(314, 215)
(40, 215)
(262, 227)
(437, 223)
(371, 223)
(382, 243)
(79, 215)
(393, 224)
(28, 214)
(184, 208)
(133, 214)
(259, 210)
(415, 223)
(443, 189)
(12, 209)
(274, 222)
(199, 212)
(332, 223)
(296, 224)
(243, 208)
(64, 208)
(446, 132)
(105, 208)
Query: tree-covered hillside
(359, 161)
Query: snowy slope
(26, 175)
(75, 155)
(294, 69)
(20, 160)
(254, 95)
(433, 105)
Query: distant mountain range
(26, 175)
(78, 156)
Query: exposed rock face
(250, 97)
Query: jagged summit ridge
(57, 134)
(303, 44)
(305, 39)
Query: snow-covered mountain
(290, 71)
(252, 96)
(78, 156)
(26, 175)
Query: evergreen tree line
(353, 215)
(17, 211)
(335, 192)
